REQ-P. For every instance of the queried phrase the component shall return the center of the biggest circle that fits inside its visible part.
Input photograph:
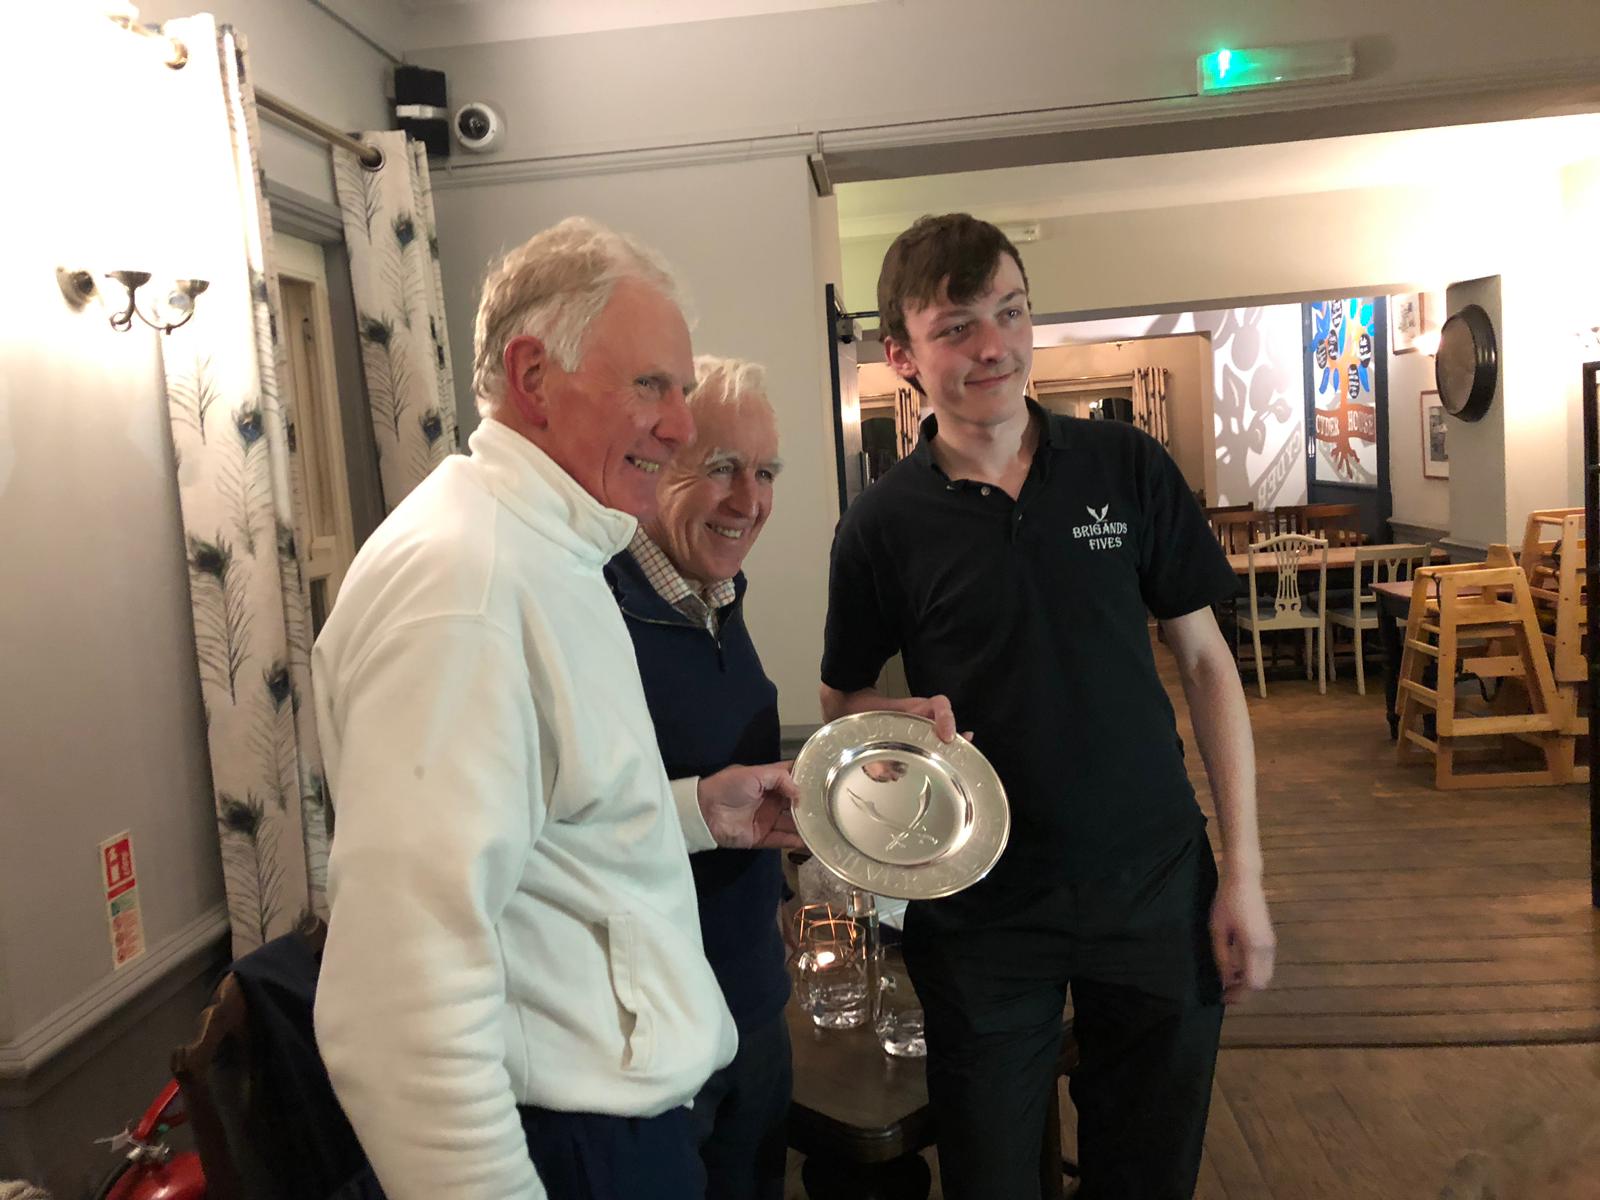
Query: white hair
(552, 287)
(728, 383)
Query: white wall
(927, 60)
(1321, 244)
(1580, 251)
(303, 56)
(1539, 358)
(740, 235)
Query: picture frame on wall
(1405, 321)
(1435, 438)
(1346, 377)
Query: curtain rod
(287, 114)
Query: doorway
(315, 424)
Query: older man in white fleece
(514, 1002)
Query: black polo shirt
(1030, 615)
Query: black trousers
(593, 1156)
(741, 1115)
(1135, 950)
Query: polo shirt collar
(1057, 433)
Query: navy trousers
(591, 1156)
(741, 1116)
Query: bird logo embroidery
(903, 834)
(1100, 516)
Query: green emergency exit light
(1233, 69)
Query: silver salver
(888, 807)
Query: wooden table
(861, 1117)
(1340, 558)
(1394, 604)
(858, 1115)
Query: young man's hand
(748, 808)
(934, 708)
(1241, 936)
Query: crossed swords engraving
(902, 834)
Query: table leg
(903, 1178)
(1389, 635)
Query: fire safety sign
(123, 918)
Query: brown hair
(957, 247)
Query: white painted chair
(1286, 556)
(1373, 564)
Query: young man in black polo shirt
(1011, 560)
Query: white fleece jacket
(513, 915)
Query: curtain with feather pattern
(234, 471)
(394, 273)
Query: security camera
(478, 126)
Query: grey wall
(1417, 500)
(101, 728)
(845, 68)
(1478, 448)
(741, 236)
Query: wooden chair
(1373, 564)
(1478, 618)
(1288, 609)
(1553, 557)
(1235, 527)
(213, 1072)
(217, 1075)
(1336, 524)
(1289, 518)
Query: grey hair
(552, 287)
(728, 383)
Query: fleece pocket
(638, 1030)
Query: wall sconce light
(174, 312)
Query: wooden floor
(1513, 1122)
(1432, 1028)
(1406, 915)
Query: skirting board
(76, 1019)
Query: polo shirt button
(985, 489)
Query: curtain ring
(372, 151)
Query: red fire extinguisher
(150, 1170)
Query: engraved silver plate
(888, 807)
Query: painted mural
(1345, 378)
(1259, 430)
(1259, 415)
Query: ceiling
(402, 25)
(882, 208)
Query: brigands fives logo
(1100, 533)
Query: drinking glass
(832, 967)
